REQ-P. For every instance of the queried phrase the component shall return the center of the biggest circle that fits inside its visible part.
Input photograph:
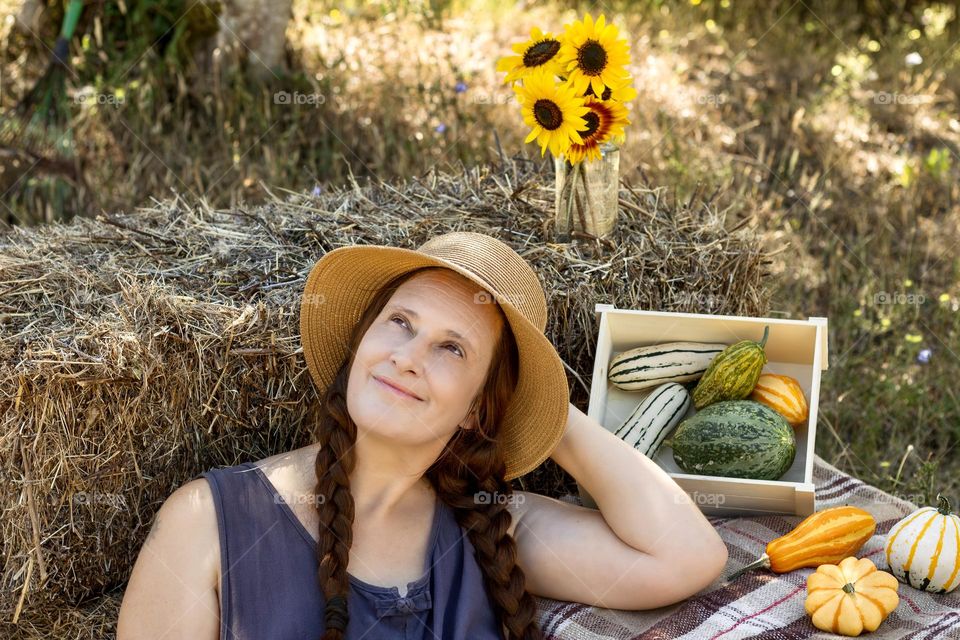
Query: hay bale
(138, 350)
(95, 619)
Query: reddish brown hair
(472, 462)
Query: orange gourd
(782, 394)
(851, 597)
(823, 537)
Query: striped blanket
(761, 604)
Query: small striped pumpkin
(923, 549)
(850, 597)
(782, 394)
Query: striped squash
(735, 439)
(923, 549)
(824, 537)
(782, 394)
(648, 424)
(653, 365)
(733, 373)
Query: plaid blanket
(761, 604)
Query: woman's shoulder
(288, 471)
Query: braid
(471, 463)
(486, 523)
(335, 460)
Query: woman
(438, 387)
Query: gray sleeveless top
(268, 573)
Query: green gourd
(733, 373)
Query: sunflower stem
(580, 207)
(571, 176)
(591, 209)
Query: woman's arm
(648, 546)
(639, 501)
(172, 591)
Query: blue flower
(924, 356)
(461, 87)
(440, 128)
(317, 189)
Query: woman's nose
(409, 355)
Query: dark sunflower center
(540, 53)
(592, 58)
(593, 123)
(607, 92)
(548, 114)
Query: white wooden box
(796, 348)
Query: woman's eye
(459, 351)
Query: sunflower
(539, 53)
(622, 92)
(552, 110)
(605, 122)
(592, 56)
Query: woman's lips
(395, 391)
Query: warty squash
(733, 373)
(823, 537)
(851, 597)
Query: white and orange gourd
(923, 549)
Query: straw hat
(343, 282)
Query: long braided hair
(472, 462)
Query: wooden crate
(796, 348)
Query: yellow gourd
(823, 537)
(784, 395)
(851, 597)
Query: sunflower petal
(597, 85)
(507, 63)
(532, 136)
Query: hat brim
(342, 284)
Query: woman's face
(409, 344)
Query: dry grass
(140, 350)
